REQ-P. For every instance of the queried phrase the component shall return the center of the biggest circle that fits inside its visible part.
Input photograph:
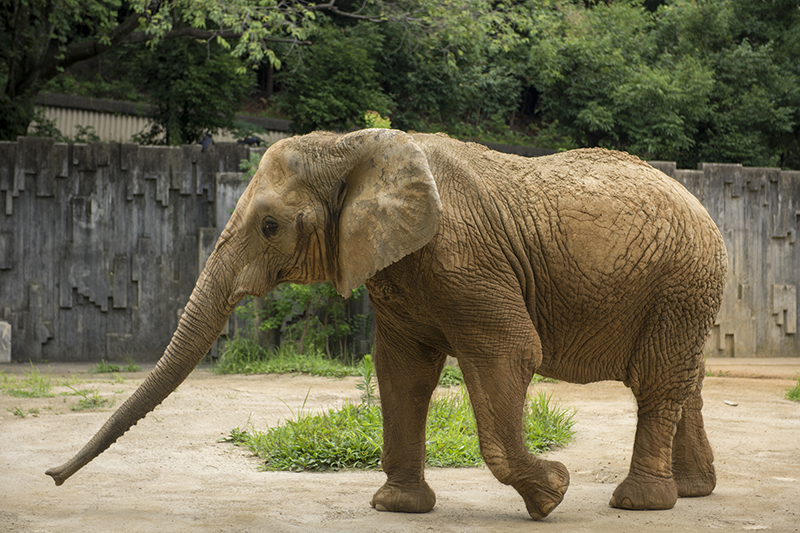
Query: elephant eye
(269, 228)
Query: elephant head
(320, 207)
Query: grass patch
(453, 377)
(33, 385)
(351, 437)
(109, 368)
(22, 413)
(244, 356)
(104, 368)
(794, 393)
(717, 373)
(90, 400)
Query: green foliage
(691, 82)
(90, 400)
(22, 413)
(335, 82)
(451, 376)
(45, 127)
(683, 80)
(250, 166)
(130, 366)
(373, 119)
(351, 437)
(366, 371)
(794, 393)
(34, 385)
(313, 317)
(104, 368)
(109, 368)
(246, 356)
(195, 87)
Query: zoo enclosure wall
(101, 245)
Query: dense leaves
(687, 80)
(196, 88)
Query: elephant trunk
(203, 319)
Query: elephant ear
(390, 206)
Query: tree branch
(205, 35)
(56, 59)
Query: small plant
(131, 366)
(35, 385)
(86, 134)
(104, 368)
(451, 376)
(717, 373)
(367, 382)
(373, 119)
(90, 400)
(22, 413)
(250, 166)
(794, 393)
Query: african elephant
(583, 266)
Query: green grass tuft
(34, 385)
(451, 376)
(104, 368)
(131, 366)
(90, 400)
(351, 437)
(22, 413)
(794, 393)
(244, 356)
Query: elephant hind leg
(692, 458)
(665, 381)
(650, 484)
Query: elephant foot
(417, 498)
(642, 492)
(541, 497)
(698, 484)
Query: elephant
(582, 266)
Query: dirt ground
(169, 473)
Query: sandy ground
(169, 473)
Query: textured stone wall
(101, 244)
(758, 212)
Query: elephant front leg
(407, 376)
(498, 388)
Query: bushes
(312, 318)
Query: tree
(335, 83)
(604, 82)
(196, 88)
(40, 38)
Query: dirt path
(168, 474)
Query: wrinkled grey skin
(583, 266)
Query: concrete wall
(757, 210)
(101, 244)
